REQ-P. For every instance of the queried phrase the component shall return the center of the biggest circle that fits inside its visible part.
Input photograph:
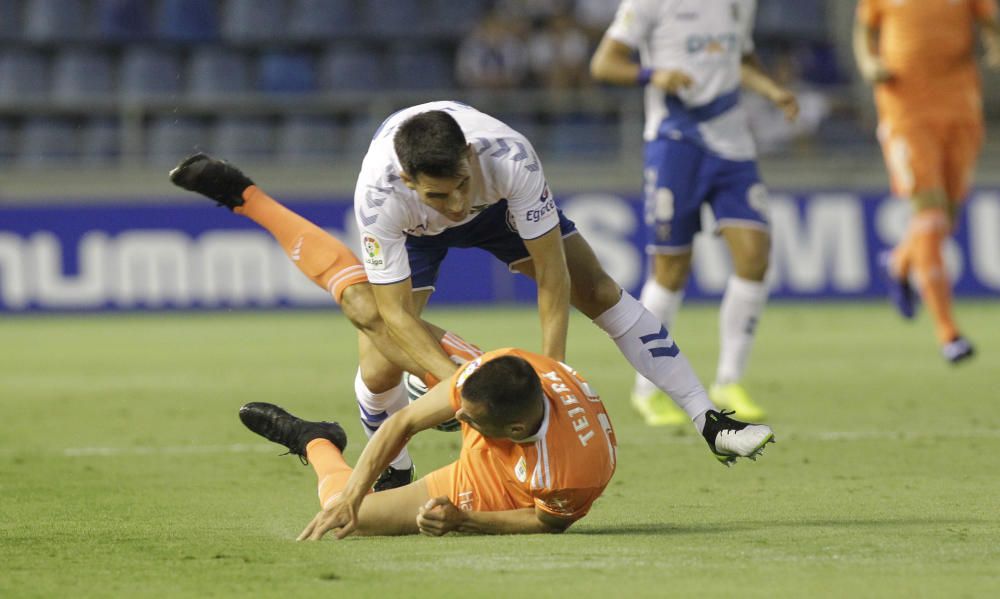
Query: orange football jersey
(929, 48)
(562, 469)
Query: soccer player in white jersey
(443, 175)
(694, 55)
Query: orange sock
(319, 255)
(332, 471)
(460, 350)
(929, 230)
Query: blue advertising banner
(190, 256)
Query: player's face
(451, 196)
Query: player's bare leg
(921, 252)
(742, 305)
(391, 512)
(380, 393)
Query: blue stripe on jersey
(686, 119)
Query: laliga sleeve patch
(374, 257)
(469, 369)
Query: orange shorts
(475, 488)
(923, 157)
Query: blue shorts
(492, 230)
(680, 177)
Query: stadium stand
(321, 20)
(150, 72)
(46, 141)
(123, 20)
(80, 75)
(56, 20)
(135, 63)
(286, 73)
(253, 20)
(188, 20)
(171, 137)
(304, 139)
(214, 73)
(23, 75)
(351, 68)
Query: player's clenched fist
(439, 516)
(671, 81)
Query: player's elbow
(554, 528)
(599, 68)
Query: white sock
(664, 304)
(376, 407)
(742, 305)
(645, 343)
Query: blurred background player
(693, 59)
(920, 56)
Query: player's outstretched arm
(753, 77)
(612, 63)
(552, 276)
(395, 305)
(341, 515)
(439, 516)
(864, 43)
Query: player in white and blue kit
(444, 175)
(694, 57)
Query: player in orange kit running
(920, 56)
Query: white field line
(791, 436)
(84, 452)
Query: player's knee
(671, 272)
(359, 307)
(596, 295)
(378, 375)
(934, 199)
(753, 265)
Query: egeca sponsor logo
(548, 205)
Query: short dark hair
(507, 387)
(430, 143)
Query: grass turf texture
(124, 470)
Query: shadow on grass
(666, 528)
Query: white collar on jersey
(542, 428)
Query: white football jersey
(705, 39)
(387, 210)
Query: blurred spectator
(771, 130)
(492, 56)
(594, 16)
(559, 54)
(536, 12)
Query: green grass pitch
(124, 471)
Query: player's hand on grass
(439, 516)
(341, 517)
(671, 81)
